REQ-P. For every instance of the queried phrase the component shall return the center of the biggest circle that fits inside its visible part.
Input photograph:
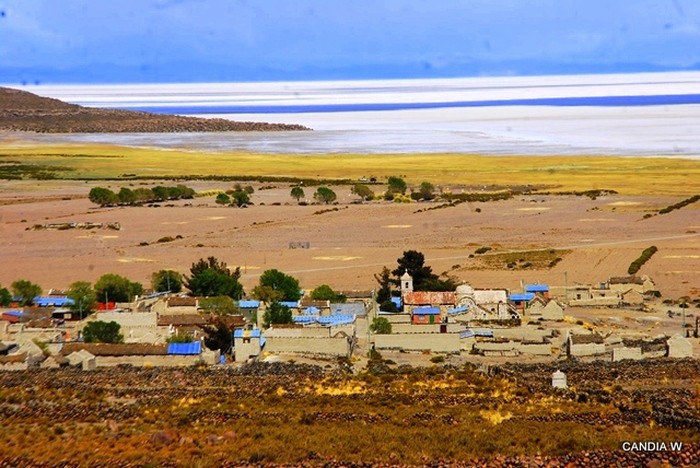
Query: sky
(141, 41)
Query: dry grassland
(665, 176)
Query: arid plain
(348, 242)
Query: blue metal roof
(14, 313)
(332, 320)
(53, 301)
(290, 304)
(397, 301)
(426, 311)
(240, 333)
(185, 349)
(458, 310)
(466, 334)
(536, 288)
(249, 304)
(312, 310)
(480, 332)
(528, 296)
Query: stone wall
(165, 360)
(619, 354)
(436, 342)
(129, 319)
(306, 332)
(589, 349)
(522, 334)
(429, 328)
(305, 345)
(398, 318)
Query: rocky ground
(27, 112)
(385, 415)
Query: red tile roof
(429, 298)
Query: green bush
(643, 258)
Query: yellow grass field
(627, 175)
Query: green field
(627, 175)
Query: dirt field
(349, 245)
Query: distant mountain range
(27, 112)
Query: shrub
(482, 250)
(643, 258)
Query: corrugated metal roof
(522, 297)
(240, 333)
(290, 304)
(13, 313)
(312, 310)
(426, 311)
(536, 288)
(458, 310)
(185, 349)
(249, 304)
(351, 308)
(43, 301)
(429, 298)
(397, 301)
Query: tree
(116, 288)
(276, 313)
(26, 291)
(126, 196)
(267, 294)
(396, 185)
(213, 278)
(83, 296)
(413, 262)
(102, 196)
(5, 297)
(180, 337)
(325, 195)
(384, 280)
(219, 334)
(278, 281)
(102, 332)
(326, 293)
(427, 191)
(223, 199)
(219, 305)
(249, 189)
(166, 281)
(297, 193)
(380, 326)
(362, 191)
(240, 198)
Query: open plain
(595, 236)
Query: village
(620, 318)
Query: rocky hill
(27, 112)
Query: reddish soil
(347, 246)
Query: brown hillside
(27, 112)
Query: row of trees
(396, 186)
(321, 195)
(126, 196)
(239, 196)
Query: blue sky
(93, 41)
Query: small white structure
(559, 380)
(679, 347)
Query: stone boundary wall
(435, 342)
(618, 354)
(305, 345)
(522, 334)
(590, 349)
(129, 319)
(165, 360)
(307, 332)
(399, 318)
(429, 328)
